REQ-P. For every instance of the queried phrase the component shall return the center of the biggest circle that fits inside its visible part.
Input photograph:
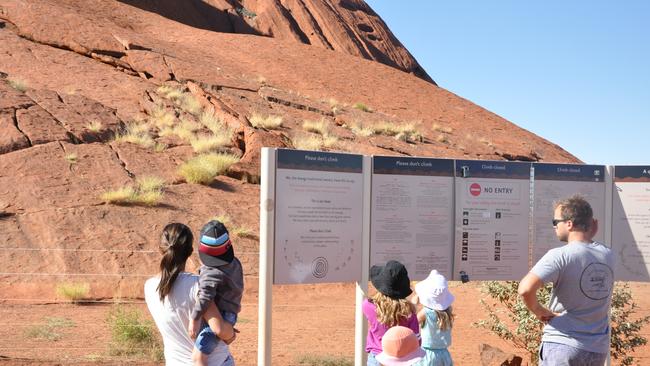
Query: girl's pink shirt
(376, 329)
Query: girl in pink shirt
(388, 307)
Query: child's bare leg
(199, 358)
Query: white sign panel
(319, 209)
(631, 222)
(557, 181)
(412, 203)
(492, 214)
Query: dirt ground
(308, 320)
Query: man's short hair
(578, 210)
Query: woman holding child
(171, 296)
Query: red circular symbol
(475, 189)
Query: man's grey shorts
(556, 354)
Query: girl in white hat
(435, 318)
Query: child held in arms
(221, 280)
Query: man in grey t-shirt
(582, 273)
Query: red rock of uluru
(97, 94)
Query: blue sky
(574, 72)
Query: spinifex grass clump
(207, 143)
(148, 191)
(403, 132)
(75, 292)
(202, 169)
(307, 142)
(17, 84)
(136, 133)
(268, 122)
(132, 335)
(362, 107)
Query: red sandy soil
(315, 320)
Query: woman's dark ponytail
(176, 246)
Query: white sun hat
(433, 292)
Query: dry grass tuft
(18, 84)
(71, 158)
(335, 106)
(148, 191)
(150, 183)
(406, 132)
(204, 168)
(75, 292)
(362, 130)
(242, 232)
(136, 133)
(362, 107)
(235, 230)
(206, 143)
(438, 128)
(486, 141)
(190, 104)
(307, 142)
(223, 218)
(184, 100)
(442, 139)
(94, 126)
(212, 122)
(162, 119)
(269, 122)
(330, 140)
(320, 127)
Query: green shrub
(522, 329)
(132, 335)
(204, 168)
(626, 333)
(75, 292)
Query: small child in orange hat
(400, 347)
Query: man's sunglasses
(557, 221)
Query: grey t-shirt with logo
(583, 278)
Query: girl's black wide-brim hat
(391, 280)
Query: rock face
(348, 26)
(492, 356)
(97, 94)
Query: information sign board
(631, 222)
(492, 215)
(412, 203)
(553, 182)
(319, 211)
